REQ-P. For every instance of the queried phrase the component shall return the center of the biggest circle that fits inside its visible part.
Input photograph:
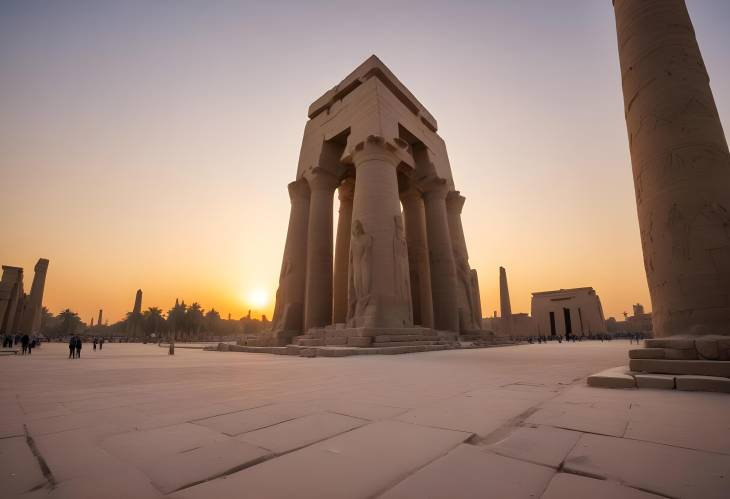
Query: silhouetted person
(24, 343)
(95, 343)
(101, 343)
(78, 347)
(72, 347)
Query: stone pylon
(681, 167)
(504, 303)
(34, 302)
(399, 265)
(11, 299)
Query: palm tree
(194, 318)
(70, 322)
(152, 321)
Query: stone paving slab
(252, 419)
(468, 472)
(579, 418)
(705, 436)
(541, 445)
(661, 469)
(703, 384)
(19, 471)
(300, 432)
(656, 381)
(364, 410)
(569, 486)
(357, 464)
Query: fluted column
(379, 288)
(414, 213)
(346, 193)
(318, 304)
(443, 267)
(289, 309)
(681, 167)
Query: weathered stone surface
(658, 381)
(468, 472)
(703, 384)
(253, 419)
(358, 464)
(676, 342)
(612, 378)
(541, 445)
(300, 432)
(680, 354)
(20, 469)
(697, 367)
(646, 353)
(359, 342)
(648, 466)
(570, 486)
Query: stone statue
(400, 257)
(360, 263)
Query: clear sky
(149, 144)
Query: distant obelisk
(98, 322)
(31, 322)
(91, 324)
(138, 302)
(681, 167)
(505, 307)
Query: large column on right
(681, 167)
(443, 266)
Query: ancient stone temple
(400, 264)
(681, 168)
(21, 313)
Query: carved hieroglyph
(681, 167)
(371, 140)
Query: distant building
(640, 322)
(568, 312)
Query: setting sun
(258, 298)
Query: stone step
(310, 342)
(404, 337)
(377, 344)
(717, 368)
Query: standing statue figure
(359, 278)
(400, 257)
(463, 272)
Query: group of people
(27, 343)
(75, 343)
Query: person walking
(95, 343)
(101, 343)
(31, 346)
(72, 347)
(78, 347)
(24, 343)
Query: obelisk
(504, 304)
(98, 322)
(681, 167)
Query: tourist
(72, 347)
(78, 347)
(31, 346)
(101, 343)
(95, 343)
(24, 343)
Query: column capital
(455, 201)
(375, 147)
(299, 189)
(346, 190)
(321, 179)
(434, 188)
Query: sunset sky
(149, 144)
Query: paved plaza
(519, 421)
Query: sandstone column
(289, 311)
(32, 313)
(414, 213)
(318, 304)
(504, 303)
(681, 167)
(342, 251)
(465, 293)
(443, 267)
(379, 288)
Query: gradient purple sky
(149, 144)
